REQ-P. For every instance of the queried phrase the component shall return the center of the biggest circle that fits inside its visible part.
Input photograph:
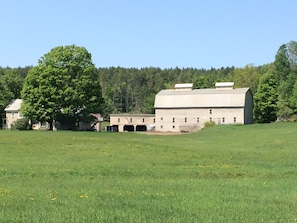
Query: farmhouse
(184, 109)
(12, 113)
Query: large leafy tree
(11, 84)
(285, 67)
(265, 99)
(63, 87)
(247, 77)
(5, 96)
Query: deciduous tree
(265, 99)
(62, 87)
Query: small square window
(161, 118)
(234, 119)
(198, 120)
(223, 120)
(173, 126)
(143, 120)
(161, 126)
(186, 119)
(173, 119)
(210, 111)
(154, 120)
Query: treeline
(133, 90)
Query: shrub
(209, 124)
(21, 124)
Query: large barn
(184, 109)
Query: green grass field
(221, 174)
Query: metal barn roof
(199, 98)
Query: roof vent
(225, 85)
(183, 87)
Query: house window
(161, 126)
(119, 120)
(173, 119)
(198, 120)
(223, 120)
(12, 115)
(210, 111)
(143, 120)
(161, 118)
(186, 119)
(130, 119)
(21, 115)
(234, 119)
(173, 126)
(210, 119)
(154, 120)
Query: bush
(209, 124)
(21, 124)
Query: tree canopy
(63, 87)
(265, 99)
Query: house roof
(14, 105)
(199, 98)
(96, 115)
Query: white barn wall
(121, 120)
(196, 117)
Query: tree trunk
(51, 125)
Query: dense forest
(133, 90)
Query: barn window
(186, 119)
(173, 119)
(119, 119)
(198, 120)
(234, 119)
(210, 111)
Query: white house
(12, 113)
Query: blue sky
(148, 33)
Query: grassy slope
(221, 174)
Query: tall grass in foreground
(221, 174)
